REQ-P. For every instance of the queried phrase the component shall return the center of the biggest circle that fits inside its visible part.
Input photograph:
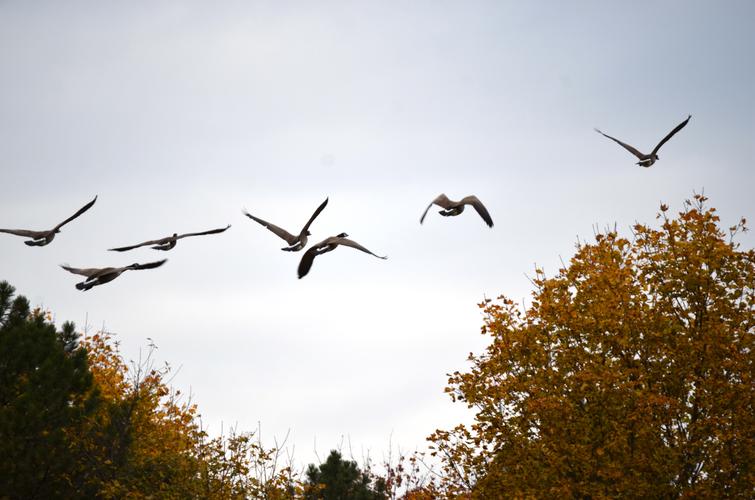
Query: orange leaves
(156, 442)
(624, 377)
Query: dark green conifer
(339, 479)
(45, 390)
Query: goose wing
(148, 265)
(81, 211)
(89, 272)
(477, 204)
(211, 231)
(626, 146)
(314, 215)
(161, 241)
(442, 201)
(279, 231)
(26, 233)
(305, 264)
(353, 244)
(671, 134)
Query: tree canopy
(630, 374)
(339, 479)
(46, 388)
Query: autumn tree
(146, 439)
(141, 440)
(630, 374)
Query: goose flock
(296, 243)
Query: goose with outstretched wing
(101, 275)
(169, 241)
(452, 208)
(325, 246)
(646, 160)
(295, 242)
(42, 238)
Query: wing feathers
(81, 211)
(441, 200)
(278, 231)
(161, 241)
(477, 204)
(670, 135)
(211, 231)
(25, 233)
(88, 272)
(314, 215)
(148, 265)
(629, 148)
(305, 264)
(422, 219)
(354, 244)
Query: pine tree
(45, 389)
(339, 479)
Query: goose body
(168, 242)
(295, 242)
(452, 208)
(325, 246)
(101, 275)
(42, 238)
(647, 160)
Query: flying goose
(99, 276)
(647, 160)
(453, 208)
(325, 246)
(295, 243)
(169, 241)
(42, 238)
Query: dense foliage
(631, 374)
(46, 388)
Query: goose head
(343, 235)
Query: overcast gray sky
(179, 114)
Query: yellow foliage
(629, 376)
(144, 441)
